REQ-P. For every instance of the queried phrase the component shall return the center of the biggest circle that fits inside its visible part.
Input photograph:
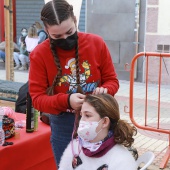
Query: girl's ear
(45, 29)
(75, 20)
(106, 122)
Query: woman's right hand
(76, 100)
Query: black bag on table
(20, 105)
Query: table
(32, 151)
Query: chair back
(147, 158)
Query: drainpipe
(136, 30)
(144, 48)
(14, 21)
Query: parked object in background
(147, 158)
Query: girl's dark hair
(24, 29)
(107, 106)
(54, 13)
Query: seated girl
(102, 138)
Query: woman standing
(64, 68)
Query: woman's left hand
(100, 90)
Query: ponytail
(124, 132)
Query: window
(163, 48)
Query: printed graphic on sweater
(71, 78)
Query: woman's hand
(100, 90)
(76, 100)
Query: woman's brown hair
(54, 13)
(38, 25)
(107, 106)
(32, 32)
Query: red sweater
(96, 70)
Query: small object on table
(17, 133)
(7, 143)
(29, 115)
(36, 114)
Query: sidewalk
(145, 140)
(19, 76)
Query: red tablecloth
(32, 151)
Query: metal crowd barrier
(158, 128)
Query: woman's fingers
(100, 90)
(76, 100)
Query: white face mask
(24, 34)
(87, 130)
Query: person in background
(2, 55)
(41, 33)
(22, 58)
(31, 39)
(102, 138)
(66, 67)
(24, 33)
(15, 53)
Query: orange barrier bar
(131, 104)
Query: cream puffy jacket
(118, 158)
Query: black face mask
(68, 43)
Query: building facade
(130, 27)
(158, 38)
(127, 27)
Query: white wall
(164, 17)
